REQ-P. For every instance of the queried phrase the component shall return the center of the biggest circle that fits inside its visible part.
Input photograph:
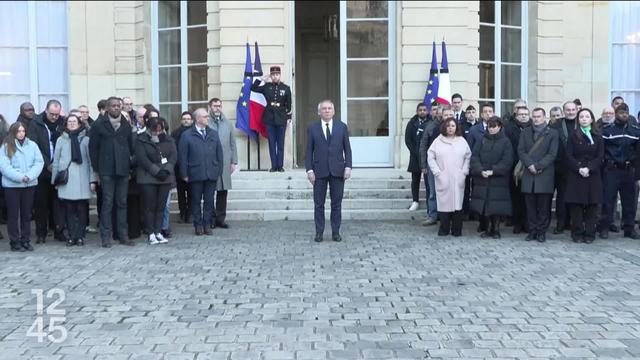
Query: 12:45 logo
(55, 331)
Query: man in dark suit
(200, 159)
(328, 162)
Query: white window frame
(391, 74)
(497, 54)
(184, 58)
(613, 91)
(34, 89)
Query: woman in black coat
(491, 163)
(156, 157)
(585, 151)
(412, 136)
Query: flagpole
(258, 141)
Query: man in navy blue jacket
(200, 154)
(328, 162)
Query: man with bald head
(201, 161)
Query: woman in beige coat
(448, 159)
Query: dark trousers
(276, 145)
(538, 212)
(114, 196)
(154, 198)
(562, 209)
(184, 198)
(202, 193)
(467, 195)
(619, 180)
(450, 223)
(415, 185)
(519, 210)
(135, 213)
(48, 213)
(77, 219)
(220, 210)
(583, 220)
(19, 206)
(336, 190)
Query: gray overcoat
(80, 175)
(229, 150)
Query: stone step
(359, 214)
(259, 194)
(302, 183)
(307, 204)
(358, 173)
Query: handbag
(518, 170)
(62, 177)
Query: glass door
(367, 81)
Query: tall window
(502, 53)
(33, 60)
(625, 52)
(367, 67)
(179, 57)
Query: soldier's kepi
(276, 115)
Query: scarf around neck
(76, 155)
(587, 131)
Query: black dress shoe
(558, 230)
(207, 231)
(632, 235)
(604, 234)
(576, 238)
(496, 235)
(223, 225)
(272, 169)
(27, 246)
(199, 231)
(106, 244)
(166, 233)
(16, 247)
(542, 237)
(530, 237)
(613, 228)
(485, 234)
(281, 170)
(318, 238)
(336, 238)
(588, 240)
(127, 242)
(40, 240)
(517, 229)
(212, 226)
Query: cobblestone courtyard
(265, 290)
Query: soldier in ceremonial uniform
(277, 114)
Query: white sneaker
(161, 239)
(153, 240)
(414, 206)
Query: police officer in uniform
(621, 142)
(277, 114)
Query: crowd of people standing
(52, 163)
(508, 169)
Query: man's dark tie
(328, 133)
(457, 116)
(204, 133)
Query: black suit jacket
(328, 158)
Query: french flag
(257, 101)
(444, 89)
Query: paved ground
(266, 291)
